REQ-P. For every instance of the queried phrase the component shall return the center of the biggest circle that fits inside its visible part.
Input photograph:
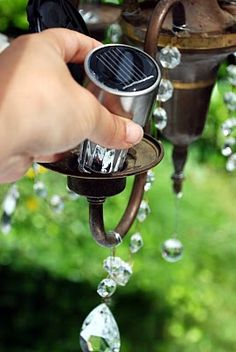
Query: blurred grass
(189, 300)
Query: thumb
(108, 129)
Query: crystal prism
(230, 100)
(228, 125)
(57, 203)
(165, 90)
(119, 270)
(172, 250)
(100, 332)
(144, 211)
(170, 57)
(106, 288)
(149, 180)
(231, 69)
(228, 145)
(10, 200)
(160, 118)
(40, 189)
(136, 242)
(231, 163)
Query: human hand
(43, 111)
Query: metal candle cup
(125, 80)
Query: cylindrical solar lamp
(125, 80)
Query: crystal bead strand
(9, 206)
(169, 58)
(119, 272)
(172, 249)
(100, 331)
(229, 126)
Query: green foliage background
(50, 265)
(12, 15)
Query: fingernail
(134, 133)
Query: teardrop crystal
(100, 332)
(172, 250)
(136, 242)
(144, 211)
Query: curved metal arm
(158, 16)
(113, 238)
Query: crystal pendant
(5, 223)
(150, 176)
(144, 211)
(100, 332)
(57, 203)
(228, 125)
(114, 33)
(227, 148)
(136, 242)
(230, 100)
(172, 250)
(170, 57)
(149, 180)
(231, 69)
(106, 288)
(119, 270)
(40, 189)
(10, 200)
(165, 90)
(231, 163)
(160, 118)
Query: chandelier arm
(154, 27)
(113, 238)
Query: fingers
(14, 168)
(107, 129)
(71, 46)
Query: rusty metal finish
(207, 25)
(183, 41)
(142, 157)
(113, 238)
(96, 187)
(206, 28)
(155, 24)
